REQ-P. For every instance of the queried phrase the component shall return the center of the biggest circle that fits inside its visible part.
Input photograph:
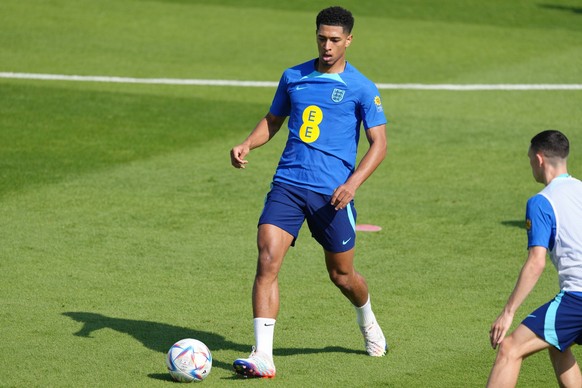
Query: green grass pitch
(124, 228)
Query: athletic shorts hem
(559, 321)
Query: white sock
(364, 315)
(264, 332)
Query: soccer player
(316, 180)
(554, 226)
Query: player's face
(332, 43)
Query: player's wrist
(509, 311)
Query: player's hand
(499, 328)
(237, 156)
(342, 196)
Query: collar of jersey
(332, 76)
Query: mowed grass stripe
(48, 133)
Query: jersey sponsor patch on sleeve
(378, 103)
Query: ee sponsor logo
(312, 117)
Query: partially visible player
(326, 100)
(554, 226)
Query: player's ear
(349, 40)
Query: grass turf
(125, 229)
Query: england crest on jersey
(337, 95)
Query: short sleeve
(540, 222)
(281, 105)
(372, 110)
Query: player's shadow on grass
(576, 10)
(514, 223)
(160, 336)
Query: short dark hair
(335, 16)
(551, 143)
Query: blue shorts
(558, 322)
(287, 206)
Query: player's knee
(267, 264)
(341, 280)
(508, 350)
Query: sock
(264, 332)
(364, 315)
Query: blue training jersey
(553, 220)
(325, 113)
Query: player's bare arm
(263, 132)
(374, 156)
(528, 277)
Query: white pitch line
(469, 87)
(261, 84)
(128, 80)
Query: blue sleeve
(540, 222)
(281, 105)
(372, 111)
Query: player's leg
(340, 267)
(273, 243)
(512, 351)
(279, 225)
(335, 230)
(566, 368)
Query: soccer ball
(189, 360)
